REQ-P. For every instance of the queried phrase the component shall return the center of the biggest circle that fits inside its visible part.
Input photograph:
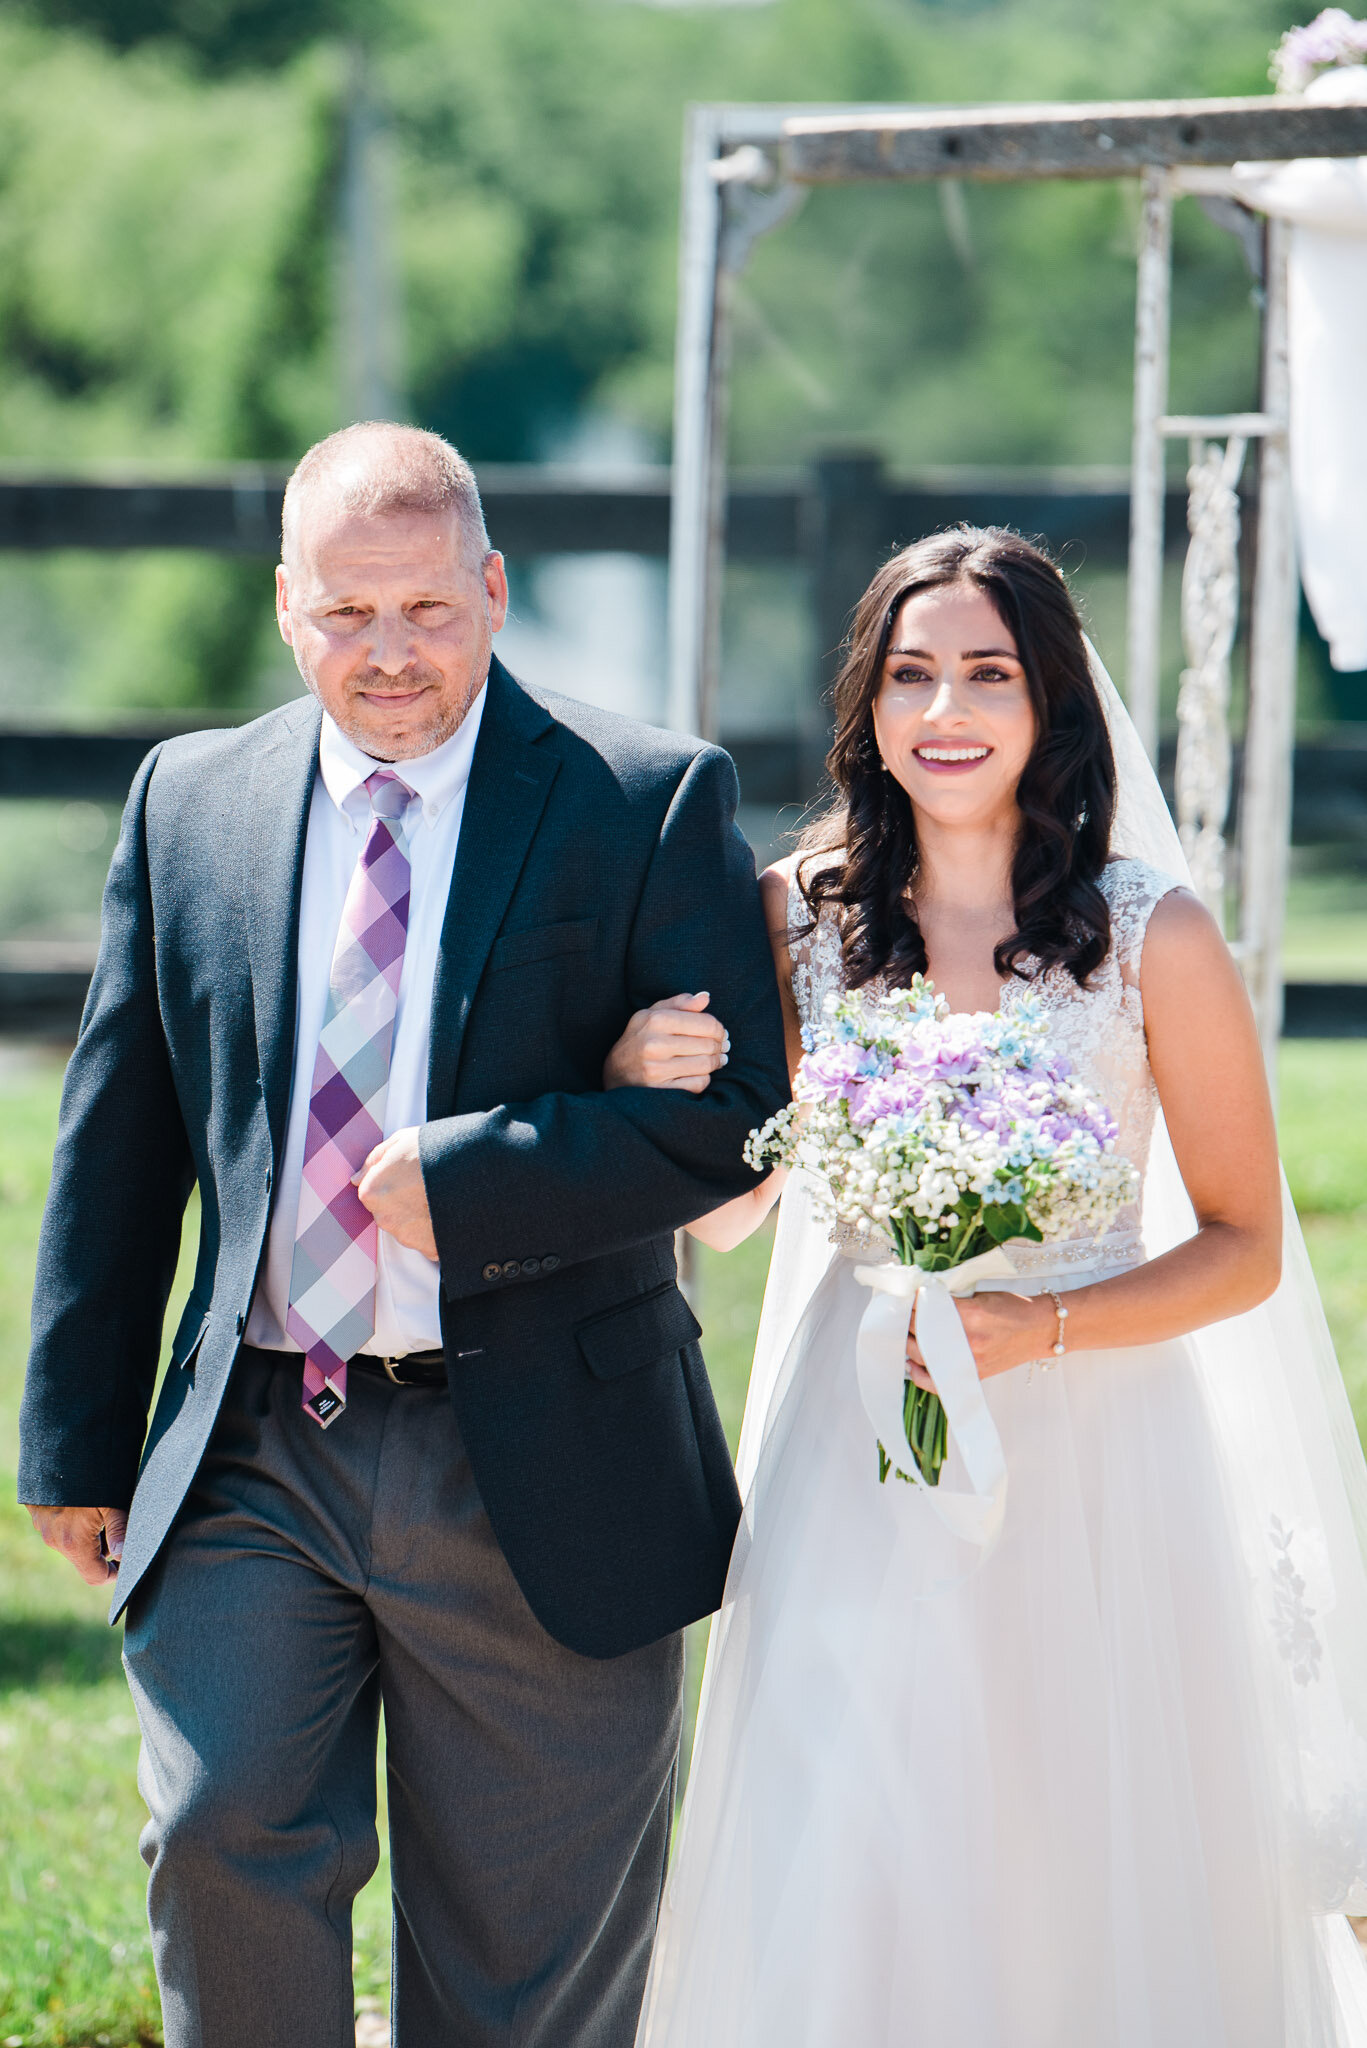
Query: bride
(1105, 1787)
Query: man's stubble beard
(425, 741)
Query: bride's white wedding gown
(1045, 1808)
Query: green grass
(75, 1961)
(1326, 926)
(1322, 1113)
(75, 1958)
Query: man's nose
(391, 645)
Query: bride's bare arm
(1208, 1066)
(676, 1044)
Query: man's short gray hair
(378, 466)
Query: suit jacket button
(549, 1263)
(531, 1267)
(493, 1271)
(511, 1269)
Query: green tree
(164, 301)
(167, 201)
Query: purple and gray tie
(332, 1280)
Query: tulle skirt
(1039, 1809)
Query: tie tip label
(325, 1405)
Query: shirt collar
(435, 778)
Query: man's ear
(282, 604)
(495, 589)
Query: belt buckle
(389, 1365)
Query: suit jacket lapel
(510, 779)
(276, 826)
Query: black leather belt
(418, 1369)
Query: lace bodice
(1099, 1028)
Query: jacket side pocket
(653, 1326)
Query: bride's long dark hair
(1066, 792)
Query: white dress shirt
(406, 1291)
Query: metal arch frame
(746, 168)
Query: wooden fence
(832, 521)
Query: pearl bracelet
(1060, 1311)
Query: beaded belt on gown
(1065, 1262)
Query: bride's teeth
(953, 753)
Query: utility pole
(368, 293)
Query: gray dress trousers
(311, 1576)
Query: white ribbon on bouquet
(905, 1298)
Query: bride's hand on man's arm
(675, 1044)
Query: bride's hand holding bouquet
(1003, 1331)
(943, 1139)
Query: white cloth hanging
(1325, 199)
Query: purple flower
(1052, 1067)
(952, 1049)
(984, 1112)
(836, 1069)
(888, 1095)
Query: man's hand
(391, 1186)
(77, 1534)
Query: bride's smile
(951, 757)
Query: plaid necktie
(332, 1281)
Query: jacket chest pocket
(513, 1051)
(545, 944)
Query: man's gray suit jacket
(599, 869)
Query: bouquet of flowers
(944, 1136)
(1333, 37)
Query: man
(435, 1428)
